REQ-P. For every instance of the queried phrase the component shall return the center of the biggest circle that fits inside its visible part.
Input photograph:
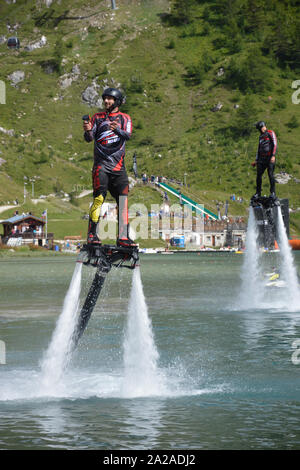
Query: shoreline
(15, 253)
(26, 252)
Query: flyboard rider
(110, 130)
(265, 158)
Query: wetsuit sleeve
(257, 153)
(274, 142)
(126, 130)
(89, 135)
(120, 132)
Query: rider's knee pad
(96, 208)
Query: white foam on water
(288, 271)
(255, 294)
(142, 375)
(81, 384)
(58, 354)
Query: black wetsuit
(267, 148)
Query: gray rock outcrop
(16, 77)
(36, 45)
(91, 95)
(68, 78)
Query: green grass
(25, 251)
(169, 74)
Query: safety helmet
(260, 124)
(116, 94)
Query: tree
(244, 123)
(181, 11)
(293, 122)
(233, 40)
(255, 16)
(284, 38)
(226, 10)
(58, 55)
(251, 74)
(198, 71)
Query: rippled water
(229, 381)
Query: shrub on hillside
(293, 122)
(181, 11)
(196, 72)
(136, 84)
(244, 123)
(250, 74)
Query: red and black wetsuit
(109, 145)
(109, 173)
(267, 148)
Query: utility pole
(25, 178)
(32, 181)
(46, 234)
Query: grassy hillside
(175, 61)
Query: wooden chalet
(27, 228)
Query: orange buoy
(295, 244)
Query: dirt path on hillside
(5, 208)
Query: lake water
(230, 374)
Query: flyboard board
(102, 258)
(265, 212)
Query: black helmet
(116, 94)
(260, 124)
